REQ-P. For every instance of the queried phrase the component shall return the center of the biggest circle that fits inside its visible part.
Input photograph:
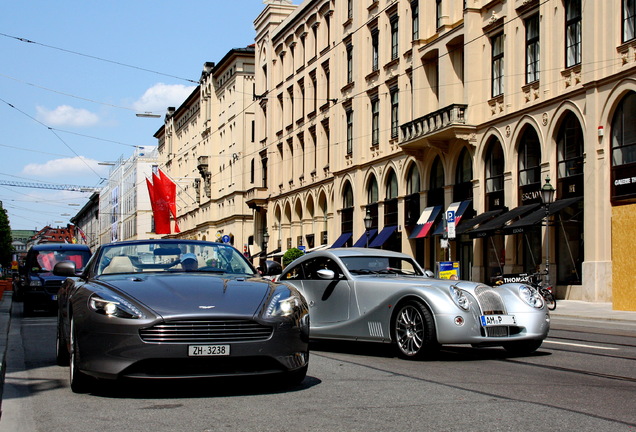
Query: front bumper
(113, 351)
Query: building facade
(206, 147)
(124, 204)
(405, 109)
(86, 223)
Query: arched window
(463, 188)
(494, 176)
(347, 208)
(570, 147)
(436, 184)
(529, 167)
(372, 201)
(391, 201)
(624, 149)
(412, 199)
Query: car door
(329, 299)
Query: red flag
(170, 189)
(160, 208)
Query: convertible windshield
(157, 256)
(363, 265)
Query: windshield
(157, 256)
(363, 265)
(45, 260)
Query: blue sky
(68, 100)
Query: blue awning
(362, 241)
(383, 236)
(344, 238)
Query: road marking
(580, 345)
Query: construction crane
(67, 187)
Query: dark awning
(469, 224)
(425, 222)
(383, 236)
(344, 238)
(497, 223)
(459, 208)
(362, 241)
(274, 252)
(537, 216)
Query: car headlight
(113, 305)
(459, 297)
(284, 303)
(35, 283)
(531, 296)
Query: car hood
(178, 295)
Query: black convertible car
(177, 309)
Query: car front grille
(206, 331)
(490, 301)
(52, 286)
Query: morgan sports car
(177, 309)
(381, 296)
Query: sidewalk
(589, 310)
(5, 321)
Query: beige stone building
(206, 146)
(405, 109)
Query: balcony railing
(435, 125)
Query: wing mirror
(65, 268)
(429, 273)
(326, 274)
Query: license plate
(208, 350)
(498, 320)
(54, 297)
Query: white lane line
(580, 345)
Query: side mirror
(65, 268)
(326, 274)
(272, 268)
(429, 273)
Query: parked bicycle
(536, 280)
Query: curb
(5, 321)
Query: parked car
(38, 285)
(381, 296)
(177, 309)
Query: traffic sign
(450, 223)
(225, 239)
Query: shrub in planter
(291, 255)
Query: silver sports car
(375, 295)
(177, 309)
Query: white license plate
(498, 320)
(208, 350)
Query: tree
(6, 250)
(291, 255)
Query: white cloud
(66, 115)
(161, 96)
(66, 168)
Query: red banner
(160, 208)
(170, 190)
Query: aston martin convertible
(381, 296)
(177, 309)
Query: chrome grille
(490, 301)
(206, 331)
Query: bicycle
(536, 280)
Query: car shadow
(446, 353)
(197, 388)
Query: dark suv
(39, 286)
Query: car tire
(413, 330)
(522, 348)
(80, 382)
(61, 350)
(296, 377)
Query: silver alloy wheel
(409, 330)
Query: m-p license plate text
(498, 320)
(208, 350)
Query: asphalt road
(583, 378)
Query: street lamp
(547, 195)
(368, 220)
(265, 240)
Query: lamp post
(368, 220)
(547, 195)
(265, 241)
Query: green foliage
(291, 255)
(5, 239)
